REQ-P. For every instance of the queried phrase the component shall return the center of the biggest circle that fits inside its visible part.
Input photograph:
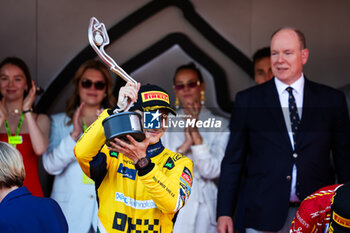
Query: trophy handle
(98, 39)
(125, 107)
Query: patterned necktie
(293, 113)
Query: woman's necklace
(15, 111)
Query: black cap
(340, 210)
(151, 98)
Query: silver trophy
(121, 122)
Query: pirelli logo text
(341, 221)
(154, 95)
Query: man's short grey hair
(299, 33)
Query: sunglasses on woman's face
(86, 83)
(192, 84)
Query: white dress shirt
(298, 92)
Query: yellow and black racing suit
(131, 200)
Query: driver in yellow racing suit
(140, 185)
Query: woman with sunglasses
(204, 146)
(19, 125)
(72, 189)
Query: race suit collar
(155, 149)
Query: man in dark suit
(346, 90)
(282, 133)
(262, 65)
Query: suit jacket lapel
(273, 102)
(309, 101)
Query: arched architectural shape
(132, 21)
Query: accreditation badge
(14, 140)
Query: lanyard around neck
(14, 140)
(84, 125)
(20, 122)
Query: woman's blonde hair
(74, 101)
(12, 171)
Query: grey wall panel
(63, 25)
(18, 30)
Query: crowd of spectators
(288, 139)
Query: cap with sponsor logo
(340, 210)
(151, 98)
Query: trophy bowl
(121, 124)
